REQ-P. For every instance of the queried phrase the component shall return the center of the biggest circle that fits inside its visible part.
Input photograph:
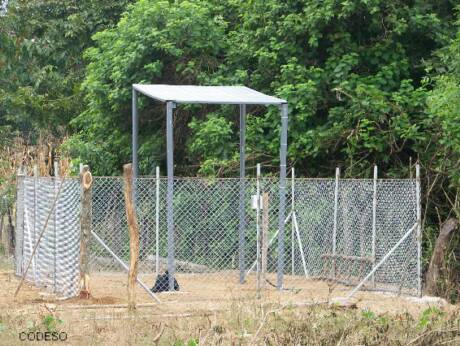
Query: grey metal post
(374, 220)
(258, 226)
(242, 225)
(419, 230)
(19, 234)
(170, 193)
(292, 223)
(281, 216)
(135, 128)
(336, 207)
(56, 175)
(34, 237)
(157, 222)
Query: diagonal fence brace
(125, 267)
(383, 260)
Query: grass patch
(244, 325)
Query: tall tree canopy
(155, 41)
(352, 72)
(41, 62)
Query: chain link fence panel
(334, 230)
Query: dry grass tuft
(242, 324)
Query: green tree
(41, 63)
(155, 42)
(352, 72)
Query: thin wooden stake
(133, 235)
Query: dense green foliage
(352, 72)
(368, 81)
(156, 41)
(41, 63)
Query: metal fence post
(34, 237)
(56, 175)
(374, 220)
(292, 223)
(157, 221)
(419, 230)
(334, 234)
(19, 234)
(258, 226)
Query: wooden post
(264, 237)
(133, 235)
(86, 180)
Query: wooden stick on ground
(53, 206)
(133, 235)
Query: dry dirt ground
(200, 297)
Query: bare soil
(216, 309)
(212, 292)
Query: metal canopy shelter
(239, 95)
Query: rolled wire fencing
(55, 265)
(336, 229)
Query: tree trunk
(85, 222)
(439, 253)
(133, 235)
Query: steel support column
(170, 192)
(242, 214)
(281, 216)
(135, 128)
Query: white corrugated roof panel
(206, 94)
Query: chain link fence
(336, 230)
